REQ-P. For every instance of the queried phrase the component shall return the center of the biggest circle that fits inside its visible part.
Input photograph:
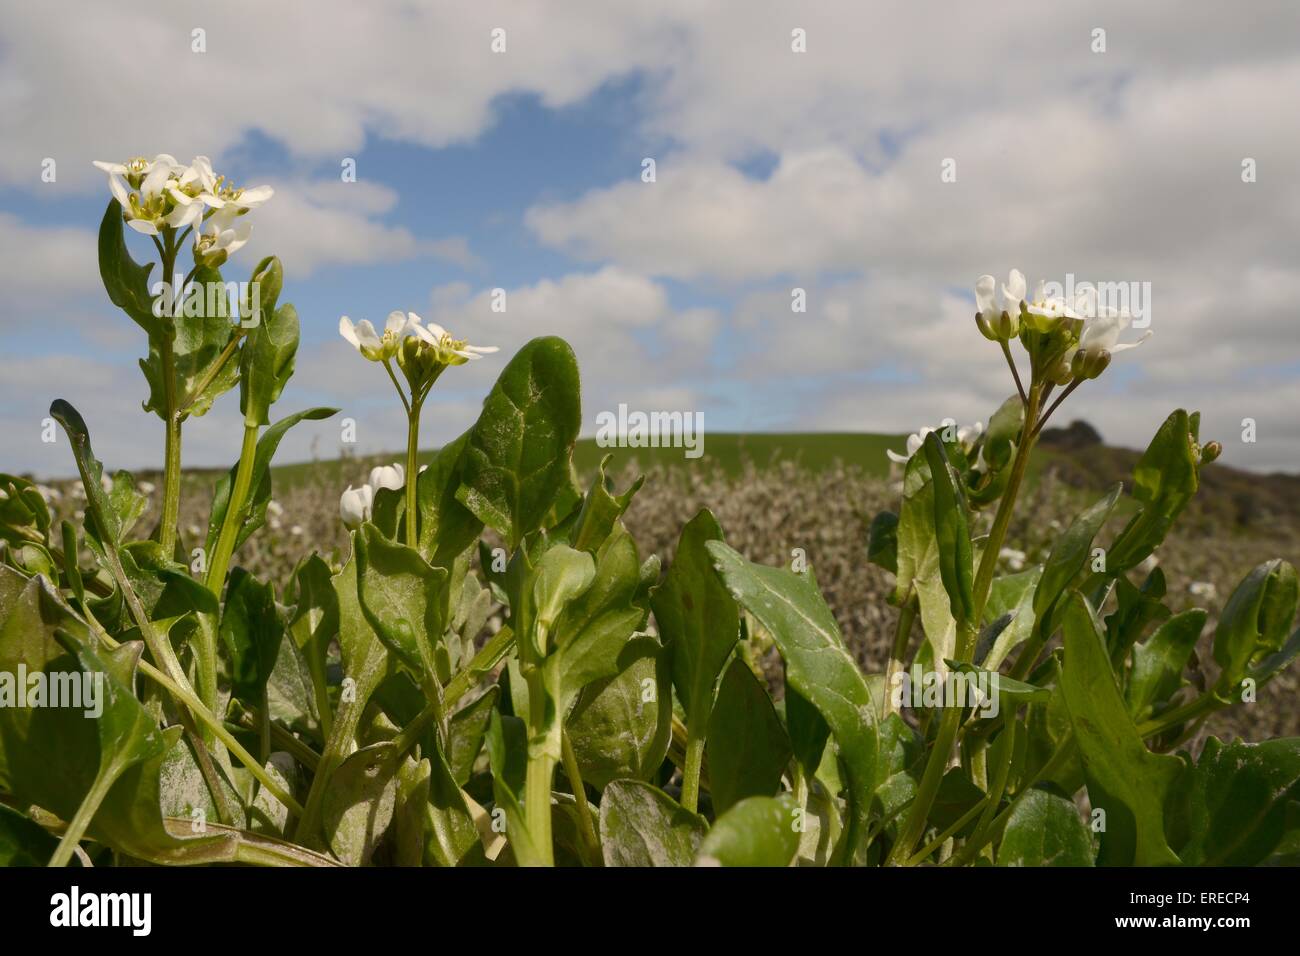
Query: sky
(828, 170)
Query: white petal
(118, 188)
(1129, 345)
(984, 287)
(366, 333)
(895, 456)
(255, 196)
(1013, 293)
(349, 332)
(396, 323)
(482, 349)
(119, 168)
(144, 226)
(436, 330)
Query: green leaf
(1003, 433)
(1159, 662)
(255, 509)
(818, 666)
(23, 511)
(23, 842)
(1070, 554)
(601, 510)
(757, 831)
(359, 803)
(807, 730)
(1045, 830)
(266, 362)
(640, 825)
(252, 630)
(518, 453)
(698, 620)
(451, 836)
(1165, 479)
(1239, 800)
(507, 747)
(1011, 594)
(951, 531)
(882, 541)
(403, 597)
(126, 282)
(199, 337)
(1255, 621)
(562, 575)
(447, 527)
(101, 517)
(1124, 779)
(620, 726)
(748, 748)
(465, 734)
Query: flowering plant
(494, 675)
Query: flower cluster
(435, 342)
(160, 194)
(356, 505)
(1093, 328)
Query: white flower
(370, 343)
(356, 505)
(999, 318)
(387, 476)
(221, 237)
(967, 435)
(1203, 589)
(451, 351)
(1014, 558)
(274, 508)
(146, 487)
(1102, 333)
(152, 204)
(914, 443)
(296, 530)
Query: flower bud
(1210, 451)
(387, 476)
(985, 329)
(355, 506)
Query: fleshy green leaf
(1124, 779)
(757, 831)
(1045, 830)
(403, 597)
(640, 825)
(818, 666)
(698, 619)
(1159, 662)
(518, 453)
(1255, 621)
(748, 748)
(951, 531)
(1070, 554)
(266, 362)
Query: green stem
(412, 466)
(205, 660)
(234, 518)
(914, 826)
(1006, 506)
(898, 654)
(85, 813)
(537, 804)
(183, 695)
(694, 764)
(586, 828)
(171, 504)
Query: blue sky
(775, 170)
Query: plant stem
(85, 813)
(171, 503)
(914, 826)
(902, 634)
(412, 466)
(694, 763)
(586, 828)
(1015, 373)
(185, 696)
(234, 518)
(1006, 506)
(537, 804)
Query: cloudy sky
(521, 170)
